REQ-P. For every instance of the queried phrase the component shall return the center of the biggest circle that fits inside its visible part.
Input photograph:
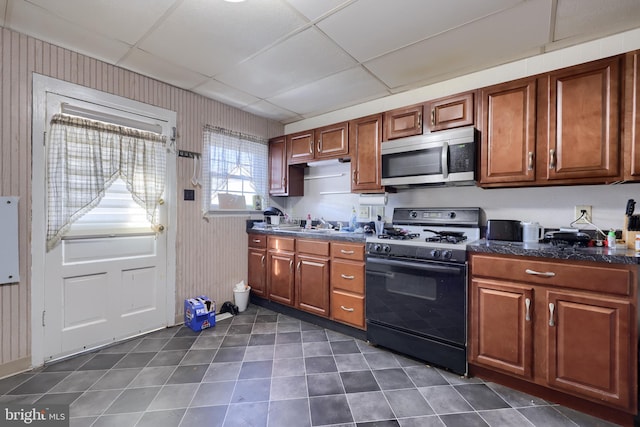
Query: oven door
(426, 298)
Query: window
(234, 168)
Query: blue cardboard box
(199, 313)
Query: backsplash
(327, 186)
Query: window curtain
(84, 158)
(233, 163)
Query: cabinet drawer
(348, 276)
(347, 308)
(281, 243)
(313, 247)
(352, 251)
(586, 276)
(258, 241)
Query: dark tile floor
(261, 368)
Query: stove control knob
(386, 248)
(452, 215)
(435, 253)
(447, 254)
(413, 214)
(377, 247)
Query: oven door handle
(423, 266)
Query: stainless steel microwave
(440, 158)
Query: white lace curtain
(84, 158)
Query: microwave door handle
(445, 159)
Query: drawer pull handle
(551, 309)
(527, 304)
(552, 159)
(298, 266)
(256, 240)
(262, 260)
(347, 309)
(347, 252)
(540, 273)
(344, 276)
(530, 156)
(290, 265)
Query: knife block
(629, 236)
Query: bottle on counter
(637, 242)
(307, 225)
(353, 221)
(611, 239)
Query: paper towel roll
(373, 199)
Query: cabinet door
(508, 128)
(589, 350)
(632, 117)
(365, 135)
(277, 166)
(300, 147)
(281, 277)
(450, 112)
(583, 121)
(257, 274)
(403, 122)
(284, 180)
(501, 326)
(312, 284)
(332, 141)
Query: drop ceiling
(293, 59)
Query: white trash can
(242, 298)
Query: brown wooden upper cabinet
(508, 137)
(365, 135)
(284, 180)
(450, 112)
(562, 127)
(403, 122)
(581, 139)
(631, 134)
(327, 142)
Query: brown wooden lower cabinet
(569, 327)
(325, 278)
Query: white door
(103, 286)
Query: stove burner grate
(446, 238)
(407, 236)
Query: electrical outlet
(578, 213)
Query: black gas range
(416, 289)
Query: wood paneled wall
(211, 255)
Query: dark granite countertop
(546, 250)
(312, 234)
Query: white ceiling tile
(369, 28)
(270, 111)
(577, 17)
(152, 66)
(37, 22)
(301, 59)
(210, 36)
(339, 90)
(123, 20)
(219, 91)
(464, 49)
(314, 9)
